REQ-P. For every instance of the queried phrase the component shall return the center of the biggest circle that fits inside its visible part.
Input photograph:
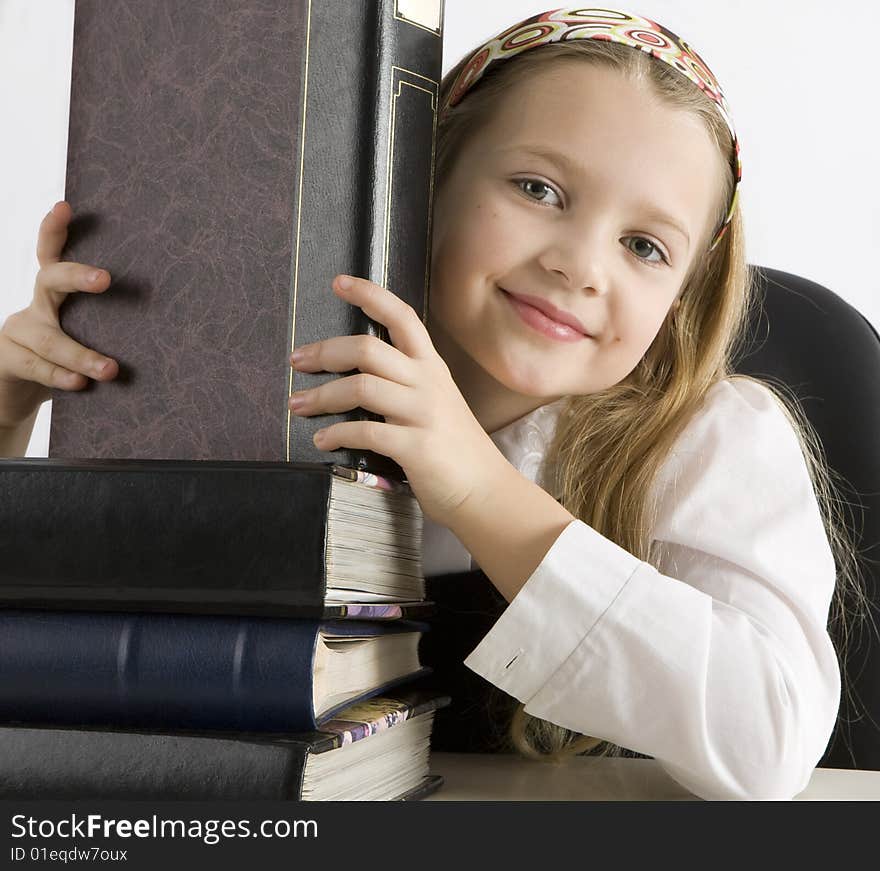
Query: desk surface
(505, 777)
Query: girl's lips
(544, 324)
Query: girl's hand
(429, 430)
(35, 353)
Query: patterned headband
(562, 25)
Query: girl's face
(584, 196)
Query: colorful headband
(562, 25)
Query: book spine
(68, 764)
(393, 146)
(91, 764)
(157, 671)
(164, 535)
(407, 83)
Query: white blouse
(719, 665)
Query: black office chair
(828, 355)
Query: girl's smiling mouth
(544, 317)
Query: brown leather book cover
(226, 160)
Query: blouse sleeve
(718, 664)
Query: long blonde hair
(609, 446)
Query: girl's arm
(719, 664)
(508, 528)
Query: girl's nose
(577, 266)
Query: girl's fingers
(67, 277)
(56, 280)
(360, 391)
(56, 349)
(23, 363)
(405, 327)
(397, 442)
(368, 354)
(53, 234)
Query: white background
(802, 85)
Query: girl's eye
(644, 249)
(536, 186)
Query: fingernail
(94, 276)
(298, 356)
(101, 367)
(296, 401)
(343, 282)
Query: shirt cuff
(580, 576)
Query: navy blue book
(181, 671)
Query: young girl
(657, 566)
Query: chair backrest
(809, 339)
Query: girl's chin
(519, 369)
(527, 385)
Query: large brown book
(226, 160)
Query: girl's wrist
(15, 438)
(14, 441)
(508, 526)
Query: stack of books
(176, 629)
(194, 601)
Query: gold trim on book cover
(395, 94)
(302, 154)
(430, 204)
(421, 13)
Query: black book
(294, 539)
(373, 751)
